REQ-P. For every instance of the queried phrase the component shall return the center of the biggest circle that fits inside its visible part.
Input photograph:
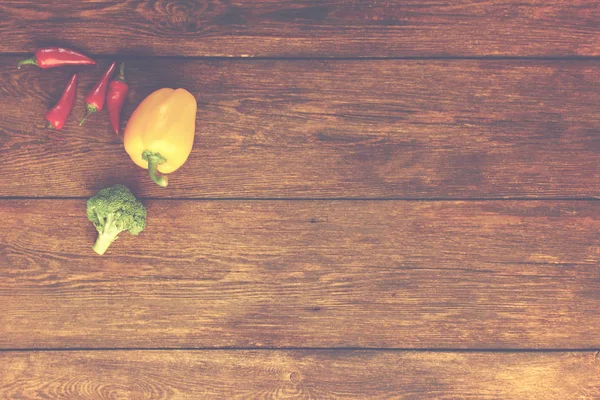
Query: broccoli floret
(112, 211)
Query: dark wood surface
(298, 374)
(326, 129)
(391, 274)
(303, 28)
(386, 199)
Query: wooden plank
(393, 274)
(331, 28)
(298, 375)
(325, 129)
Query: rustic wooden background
(386, 199)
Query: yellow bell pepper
(160, 133)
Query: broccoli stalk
(108, 235)
(112, 211)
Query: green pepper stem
(29, 61)
(89, 111)
(154, 160)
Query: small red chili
(95, 98)
(51, 57)
(57, 115)
(117, 91)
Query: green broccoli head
(112, 211)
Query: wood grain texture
(298, 375)
(325, 129)
(325, 28)
(393, 274)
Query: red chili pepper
(58, 114)
(51, 57)
(95, 98)
(117, 91)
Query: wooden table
(386, 199)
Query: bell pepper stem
(154, 160)
(89, 111)
(29, 61)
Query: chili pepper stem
(122, 72)
(89, 111)
(29, 61)
(154, 160)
